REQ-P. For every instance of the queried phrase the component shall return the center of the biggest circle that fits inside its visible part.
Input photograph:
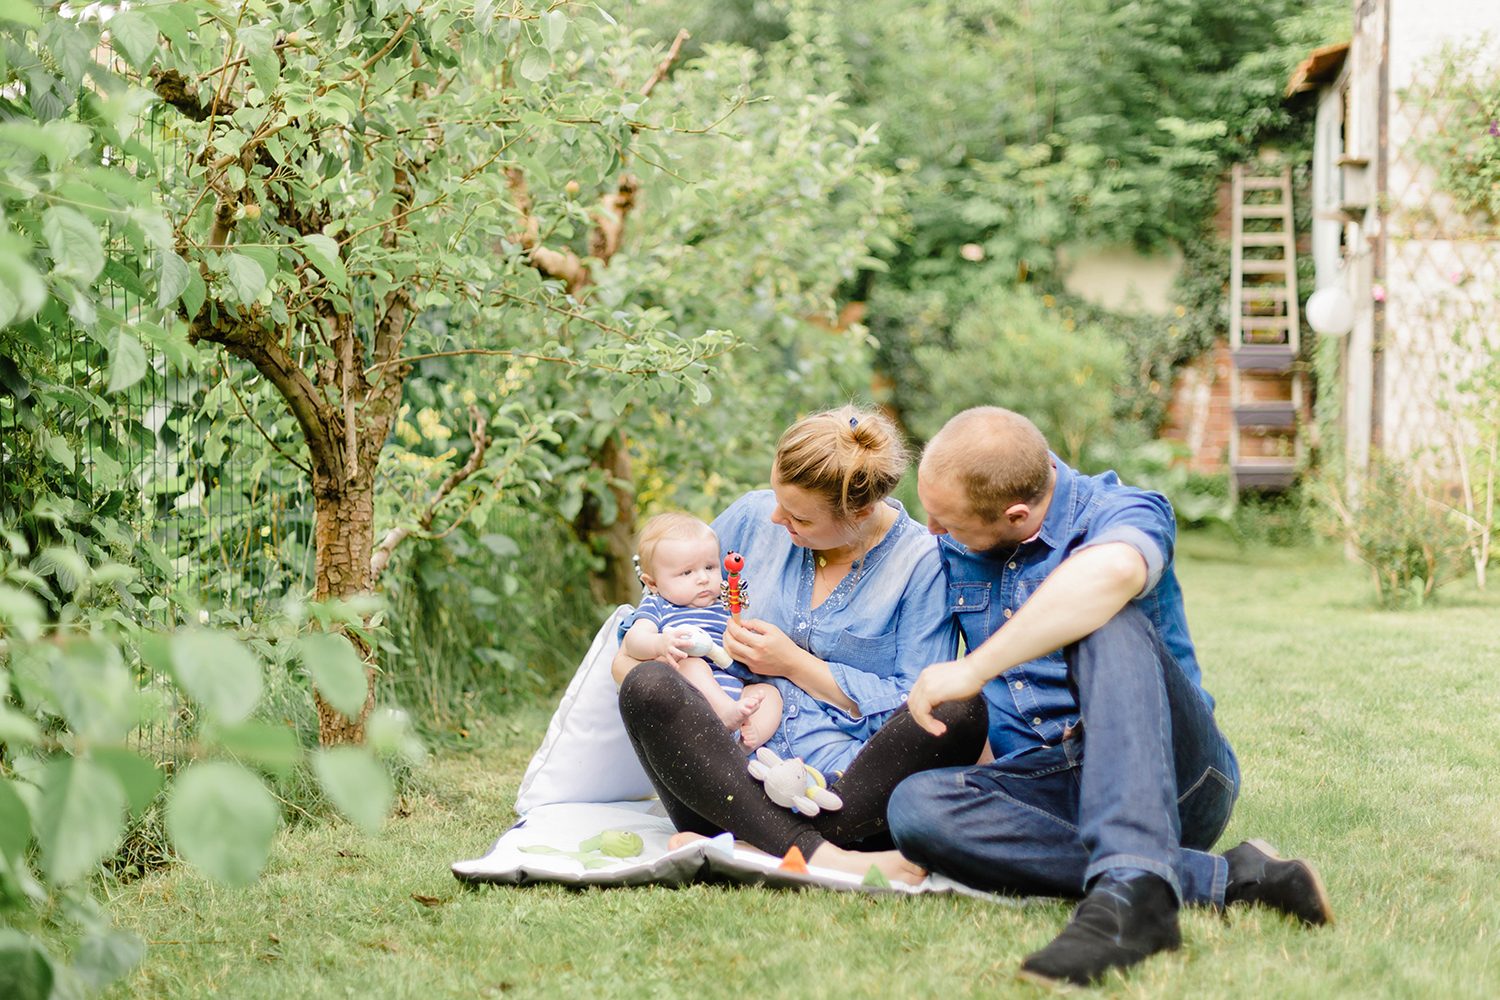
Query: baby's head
(680, 560)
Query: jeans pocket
(1204, 809)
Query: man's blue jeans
(1146, 781)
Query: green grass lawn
(1368, 743)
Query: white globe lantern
(1330, 312)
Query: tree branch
(665, 66)
(256, 424)
(477, 433)
(249, 343)
(385, 51)
(493, 352)
(609, 218)
(564, 265)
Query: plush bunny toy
(792, 784)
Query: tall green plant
(72, 772)
(1017, 349)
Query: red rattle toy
(734, 593)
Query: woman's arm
(770, 652)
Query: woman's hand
(764, 648)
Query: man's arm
(1083, 593)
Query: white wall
(1121, 278)
(1441, 268)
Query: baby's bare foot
(733, 714)
(758, 728)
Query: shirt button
(903, 698)
(1007, 612)
(1010, 565)
(1018, 685)
(960, 602)
(1037, 721)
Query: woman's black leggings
(700, 772)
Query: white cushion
(586, 756)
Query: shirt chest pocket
(971, 603)
(871, 654)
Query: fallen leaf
(427, 900)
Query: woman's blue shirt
(884, 622)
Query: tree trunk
(345, 537)
(616, 582)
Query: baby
(680, 567)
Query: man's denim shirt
(1031, 704)
(879, 627)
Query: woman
(849, 605)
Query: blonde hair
(850, 457)
(995, 455)
(660, 527)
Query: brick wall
(1199, 414)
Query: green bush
(1412, 543)
(489, 618)
(1016, 349)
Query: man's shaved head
(995, 456)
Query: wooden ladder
(1265, 383)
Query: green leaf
(73, 242)
(171, 278)
(218, 672)
(389, 731)
(24, 612)
(15, 822)
(79, 819)
(323, 253)
(105, 956)
(501, 545)
(194, 294)
(246, 277)
(20, 12)
(127, 361)
(535, 65)
(25, 968)
(256, 38)
(133, 34)
(272, 747)
(22, 290)
(267, 257)
(66, 565)
(93, 688)
(140, 778)
(221, 818)
(555, 29)
(336, 669)
(17, 729)
(356, 783)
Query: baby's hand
(676, 643)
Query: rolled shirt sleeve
(1144, 521)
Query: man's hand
(955, 680)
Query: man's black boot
(1119, 923)
(1258, 875)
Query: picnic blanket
(585, 779)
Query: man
(1111, 779)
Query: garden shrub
(1412, 543)
(1016, 349)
